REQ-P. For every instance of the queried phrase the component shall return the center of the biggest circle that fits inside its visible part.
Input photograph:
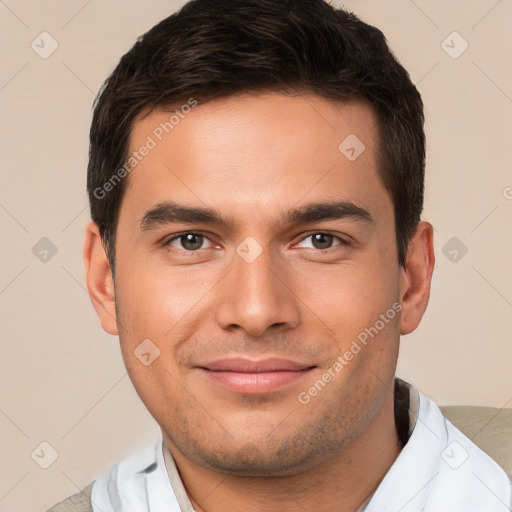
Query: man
(256, 184)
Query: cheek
(154, 298)
(350, 296)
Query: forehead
(256, 153)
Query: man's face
(250, 313)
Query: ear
(100, 282)
(416, 277)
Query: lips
(246, 376)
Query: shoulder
(440, 469)
(467, 467)
(79, 502)
(118, 487)
(465, 475)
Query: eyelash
(342, 242)
(179, 235)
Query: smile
(249, 377)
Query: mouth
(250, 377)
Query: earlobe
(100, 282)
(416, 277)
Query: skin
(253, 158)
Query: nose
(257, 296)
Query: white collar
(176, 482)
(440, 469)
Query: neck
(343, 482)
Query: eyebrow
(169, 212)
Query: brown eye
(321, 241)
(187, 241)
(191, 241)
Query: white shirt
(438, 470)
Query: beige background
(61, 376)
